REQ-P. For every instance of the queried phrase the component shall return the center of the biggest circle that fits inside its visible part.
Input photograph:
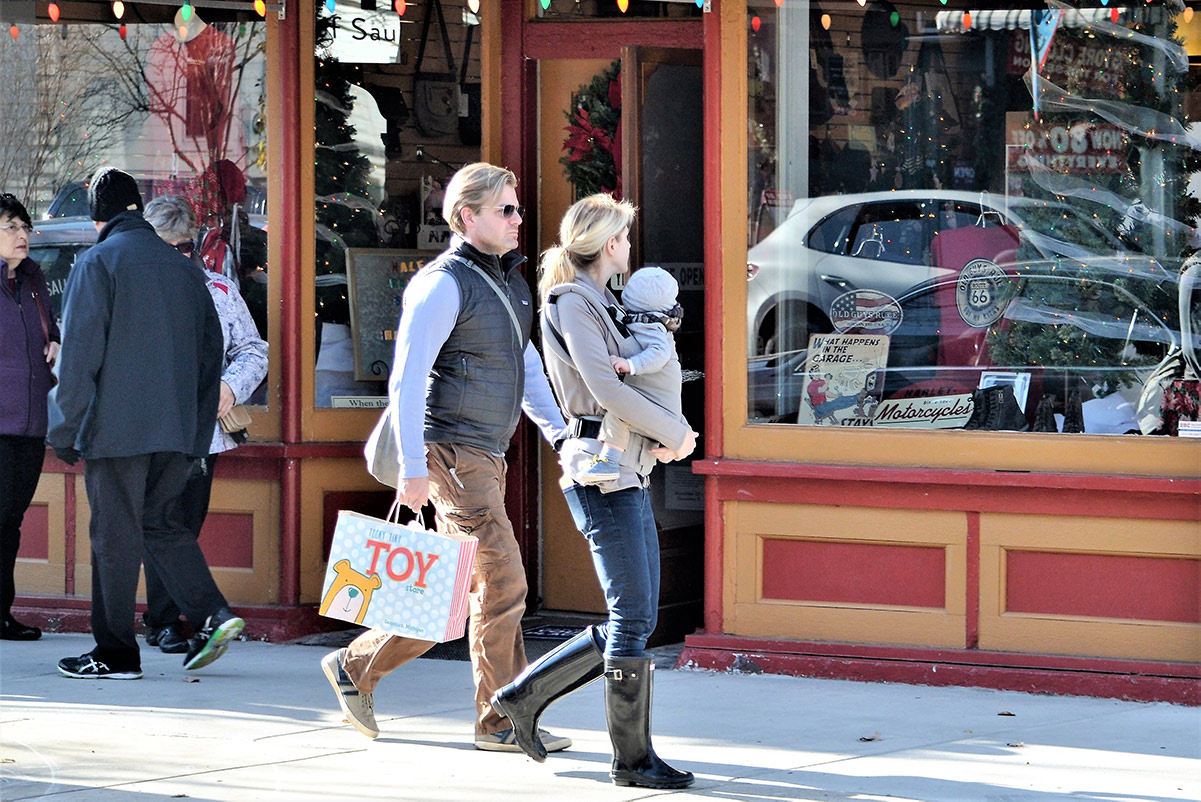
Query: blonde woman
(581, 332)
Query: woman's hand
(227, 400)
(665, 454)
(51, 352)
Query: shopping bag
(382, 452)
(400, 578)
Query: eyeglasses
(508, 209)
(186, 247)
(16, 227)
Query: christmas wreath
(593, 144)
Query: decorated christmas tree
(341, 181)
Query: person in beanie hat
(112, 192)
(652, 314)
(139, 381)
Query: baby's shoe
(600, 471)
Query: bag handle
(501, 295)
(37, 299)
(466, 55)
(435, 6)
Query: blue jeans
(621, 533)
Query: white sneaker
(506, 741)
(358, 707)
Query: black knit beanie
(112, 192)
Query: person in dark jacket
(30, 336)
(139, 382)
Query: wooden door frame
(521, 42)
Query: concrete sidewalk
(262, 723)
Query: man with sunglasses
(464, 370)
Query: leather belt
(587, 428)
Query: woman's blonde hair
(472, 187)
(585, 229)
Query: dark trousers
(193, 502)
(20, 467)
(134, 509)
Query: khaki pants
(467, 487)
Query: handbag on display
(436, 94)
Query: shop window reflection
(943, 246)
(181, 111)
(380, 163)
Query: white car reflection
(882, 241)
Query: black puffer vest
(474, 391)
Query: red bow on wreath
(583, 135)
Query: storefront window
(942, 237)
(397, 112)
(179, 106)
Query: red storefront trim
(1163, 498)
(1142, 681)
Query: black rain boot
(567, 667)
(629, 682)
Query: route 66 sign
(980, 293)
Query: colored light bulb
(825, 22)
(473, 6)
(14, 33)
(330, 5)
(123, 31)
(400, 6)
(118, 9)
(622, 5)
(53, 11)
(755, 23)
(260, 8)
(545, 4)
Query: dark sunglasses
(508, 209)
(186, 247)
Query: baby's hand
(620, 364)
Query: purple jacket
(24, 375)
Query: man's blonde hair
(473, 187)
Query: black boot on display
(1044, 415)
(565, 668)
(978, 410)
(629, 682)
(1073, 414)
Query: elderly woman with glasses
(245, 367)
(31, 340)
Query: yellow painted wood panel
(748, 524)
(318, 477)
(47, 576)
(1002, 533)
(258, 498)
